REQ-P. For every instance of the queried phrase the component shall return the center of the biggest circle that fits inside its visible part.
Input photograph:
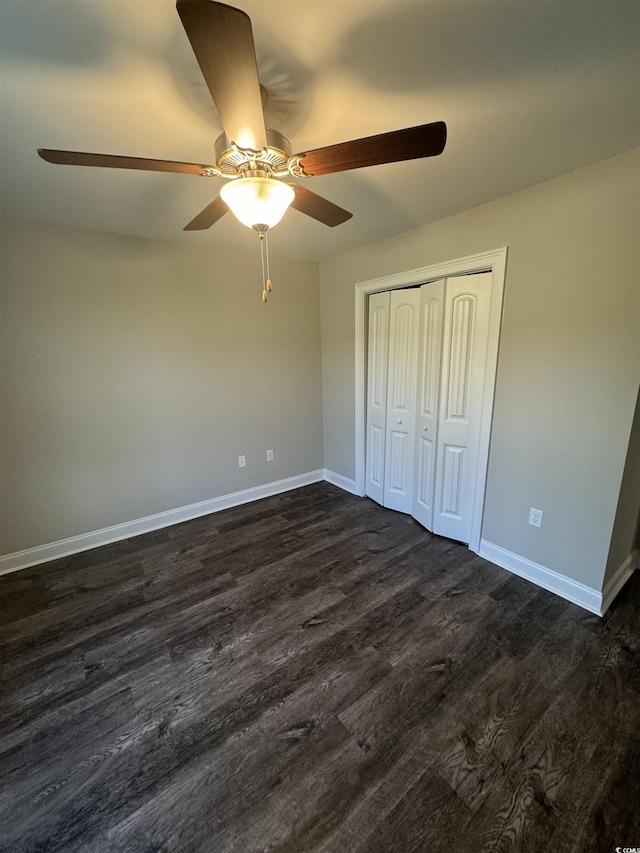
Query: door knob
(425, 428)
(399, 420)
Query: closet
(427, 355)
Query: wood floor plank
(313, 673)
(410, 826)
(378, 788)
(492, 718)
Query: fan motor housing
(232, 160)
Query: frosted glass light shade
(257, 201)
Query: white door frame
(494, 261)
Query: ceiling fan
(255, 160)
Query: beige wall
(134, 372)
(569, 362)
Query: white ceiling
(529, 89)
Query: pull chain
(264, 254)
(266, 246)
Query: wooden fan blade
(319, 208)
(207, 217)
(222, 40)
(111, 161)
(426, 140)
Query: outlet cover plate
(535, 517)
(242, 461)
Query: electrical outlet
(535, 517)
(269, 455)
(242, 461)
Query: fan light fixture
(260, 203)
(257, 201)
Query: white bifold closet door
(427, 361)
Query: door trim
(494, 261)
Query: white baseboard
(66, 547)
(615, 583)
(584, 596)
(340, 481)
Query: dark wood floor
(311, 673)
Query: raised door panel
(401, 391)
(377, 377)
(457, 381)
(376, 458)
(401, 399)
(453, 464)
(428, 379)
(399, 458)
(423, 502)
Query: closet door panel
(401, 399)
(377, 376)
(429, 349)
(459, 420)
